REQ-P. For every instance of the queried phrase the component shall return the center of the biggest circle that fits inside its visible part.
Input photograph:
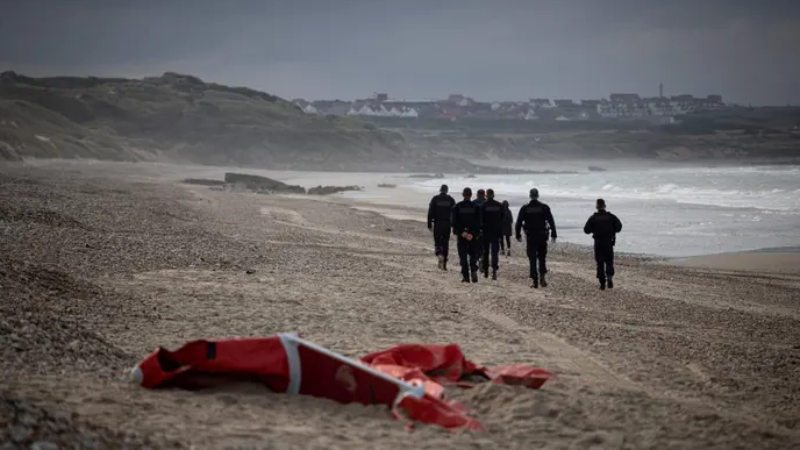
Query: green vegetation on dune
(29, 130)
(180, 117)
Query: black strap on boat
(211, 351)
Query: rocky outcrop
(327, 190)
(596, 169)
(387, 185)
(262, 185)
(204, 182)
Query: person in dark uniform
(535, 218)
(480, 199)
(439, 213)
(508, 229)
(466, 222)
(492, 214)
(603, 226)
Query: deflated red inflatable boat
(408, 378)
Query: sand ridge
(99, 268)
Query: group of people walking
(483, 229)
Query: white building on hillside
(622, 105)
(382, 110)
(306, 107)
(402, 111)
(530, 114)
(537, 103)
(367, 110)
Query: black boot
(444, 264)
(602, 285)
(464, 278)
(474, 276)
(486, 272)
(610, 283)
(544, 280)
(535, 283)
(494, 275)
(441, 262)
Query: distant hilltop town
(660, 110)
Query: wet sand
(101, 266)
(780, 260)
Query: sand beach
(101, 263)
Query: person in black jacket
(439, 214)
(480, 199)
(508, 229)
(466, 222)
(603, 226)
(535, 218)
(492, 214)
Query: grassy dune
(180, 117)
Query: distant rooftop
(392, 100)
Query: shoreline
(762, 260)
(406, 203)
(781, 260)
(785, 260)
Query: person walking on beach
(535, 218)
(480, 199)
(603, 226)
(466, 222)
(492, 214)
(508, 229)
(439, 214)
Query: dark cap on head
(467, 192)
(534, 193)
(490, 193)
(444, 189)
(601, 203)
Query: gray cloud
(502, 49)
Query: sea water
(674, 212)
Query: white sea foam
(770, 188)
(675, 212)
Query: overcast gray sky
(748, 51)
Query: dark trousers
(467, 255)
(604, 257)
(441, 239)
(490, 243)
(505, 241)
(537, 252)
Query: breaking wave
(766, 188)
